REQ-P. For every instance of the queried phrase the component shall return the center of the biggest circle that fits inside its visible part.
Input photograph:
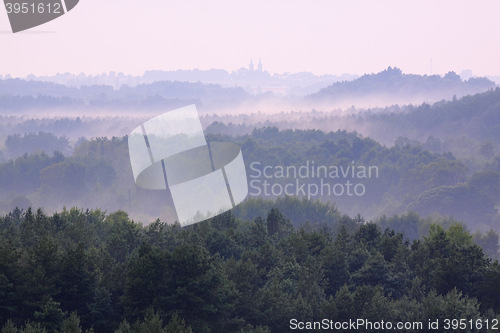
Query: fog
(445, 118)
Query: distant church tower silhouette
(259, 66)
(251, 65)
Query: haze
(323, 37)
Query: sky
(320, 36)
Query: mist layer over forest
(373, 198)
(388, 87)
(76, 147)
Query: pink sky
(320, 36)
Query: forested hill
(388, 87)
(475, 116)
(87, 271)
(394, 86)
(405, 178)
(17, 94)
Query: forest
(76, 271)
(409, 177)
(455, 124)
(83, 249)
(258, 266)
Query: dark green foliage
(267, 261)
(278, 225)
(77, 281)
(124, 235)
(79, 271)
(153, 323)
(9, 327)
(71, 324)
(51, 316)
(9, 278)
(177, 324)
(298, 210)
(336, 268)
(406, 177)
(145, 275)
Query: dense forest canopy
(106, 273)
(473, 117)
(393, 213)
(385, 180)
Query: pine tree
(177, 325)
(278, 225)
(33, 328)
(9, 327)
(77, 282)
(343, 303)
(124, 327)
(152, 323)
(336, 268)
(71, 324)
(51, 316)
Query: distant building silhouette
(259, 66)
(251, 65)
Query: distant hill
(476, 116)
(388, 87)
(393, 87)
(18, 94)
